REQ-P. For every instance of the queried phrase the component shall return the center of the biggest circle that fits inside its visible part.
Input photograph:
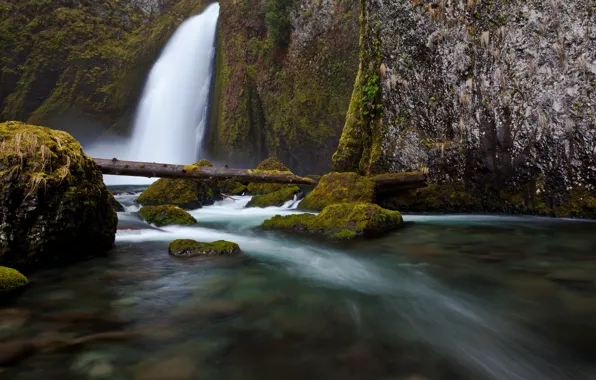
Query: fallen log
(393, 182)
(152, 169)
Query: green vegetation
(166, 215)
(11, 279)
(277, 198)
(190, 248)
(340, 221)
(339, 188)
(165, 191)
(277, 20)
(269, 164)
(88, 56)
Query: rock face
(166, 215)
(284, 74)
(187, 194)
(494, 98)
(191, 248)
(339, 221)
(81, 62)
(54, 206)
(339, 188)
(10, 280)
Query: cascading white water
(171, 116)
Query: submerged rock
(339, 188)
(184, 193)
(340, 221)
(11, 279)
(54, 206)
(191, 248)
(166, 215)
(277, 198)
(271, 164)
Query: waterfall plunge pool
(446, 297)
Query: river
(446, 297)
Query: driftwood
(395, 182)
(228, 196)
(151, 169)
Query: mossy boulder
(192, 248)
(115, 204)
(340, 221)
(166, 215)
(277, 198)
(339, 188)
(11, 279)
(269, 164)
(239, 190)
(54, 206)
(184, 193)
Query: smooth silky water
(446, 297)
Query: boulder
(339, 188)
(340, 221)
(277, 198)
(166, 215)
(192, 248)
(184, 193)
(115, 204)
(11, 279)
(54, 206)
(270, 164)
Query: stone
(115, 204)
(277, 198)
(272, 164)
(11, 280)
(572, 276)
(341, 221)
(176, 368)
(339, 188)
(166, 215)
(184, 193)
(54, 206)
(192, 248)
(14, 351)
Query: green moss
(189, 248)
(272, 163)
(166, 215)
(339, 188)
(178, 192)
(277, 198)
(239, 190)
(340, 221)
(580, 203)
(11, 279)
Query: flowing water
(172, 113)
(445, 297)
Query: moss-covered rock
(11, 279)
(191, 248)
(339, 188)
(277, 198)
(269, 164)
(115, 204)
(166, 215)
(340, 221)
(239, 190)
(184, 193)
(54, 206)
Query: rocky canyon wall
(496, 99)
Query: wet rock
(339, 221)
(277, 198)
(11, 320)
(177, 368)
(184, 193)
(14, 351)
(166, 215)
(115, 204)
(422, 250)
(54, 206)
(11, 280)
(192, 248)
(96, 365)
(339, 188)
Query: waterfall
(172, 113)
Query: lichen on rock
(339, 188)
(166, 215)
(54, 206)
(11, 279)
(277, 198)
(340, 221)
(192, 248)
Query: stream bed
(447, 297)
